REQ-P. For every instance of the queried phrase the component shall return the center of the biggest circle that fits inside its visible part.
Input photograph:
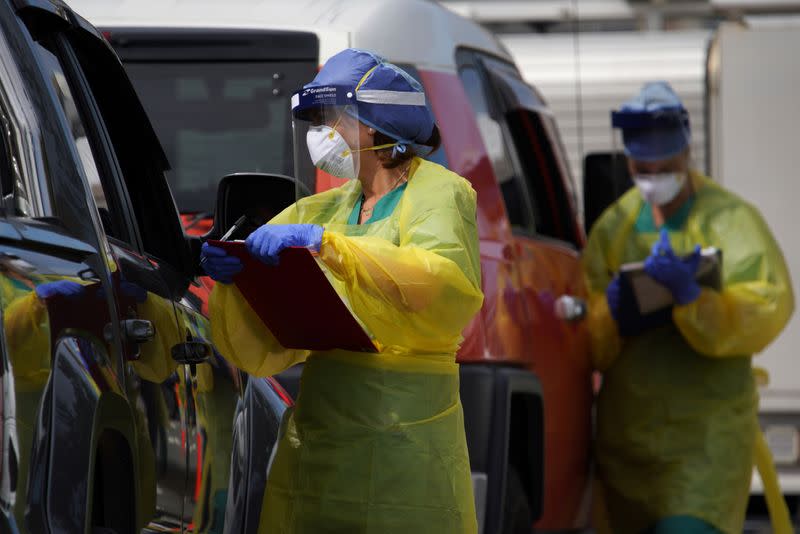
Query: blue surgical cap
(386, 97)
(654, 124)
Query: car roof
(418, 32)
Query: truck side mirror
(257, 196)
(605, 179)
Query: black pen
(239, 222)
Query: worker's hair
(390, 158)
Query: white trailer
(753, 83)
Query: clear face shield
(653, 146)
(326, 141)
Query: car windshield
(216, 118)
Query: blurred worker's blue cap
(654, 123)
(385, 96)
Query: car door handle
(192, 352)
(138, 331)
(571, 309)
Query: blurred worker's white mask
(661, 188)
(330, 152)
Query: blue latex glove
(64, 288)
(614, 297)
(217, 264)
(625, 311)
(267, 242)
(674, 273)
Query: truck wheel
(517, 510)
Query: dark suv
(118, 415)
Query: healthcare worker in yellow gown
(376, 442)
(677, 412)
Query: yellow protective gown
(376, 442)
(676, 415)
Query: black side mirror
(257, 196)
(605, 179)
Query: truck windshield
(216, 118)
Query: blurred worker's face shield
(677, 164)
(328, 136)
(656, 144)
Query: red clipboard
(296, 301)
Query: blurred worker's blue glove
(218, 264)
(625, 310)
(267, 242)
(614, 296)
(64, 288)
(674, 273)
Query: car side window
(532, 142)
(544, 175)
(112, 224)
(491, 131)
(45, 181)
(138, 157)
(132, 192)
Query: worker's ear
(366, 135)
(686, 157)
(632, 171)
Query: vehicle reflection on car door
(215, 387)
(158, 387)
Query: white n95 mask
(660, 189)
(330, 152)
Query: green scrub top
(383, 208)
(645, 223)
